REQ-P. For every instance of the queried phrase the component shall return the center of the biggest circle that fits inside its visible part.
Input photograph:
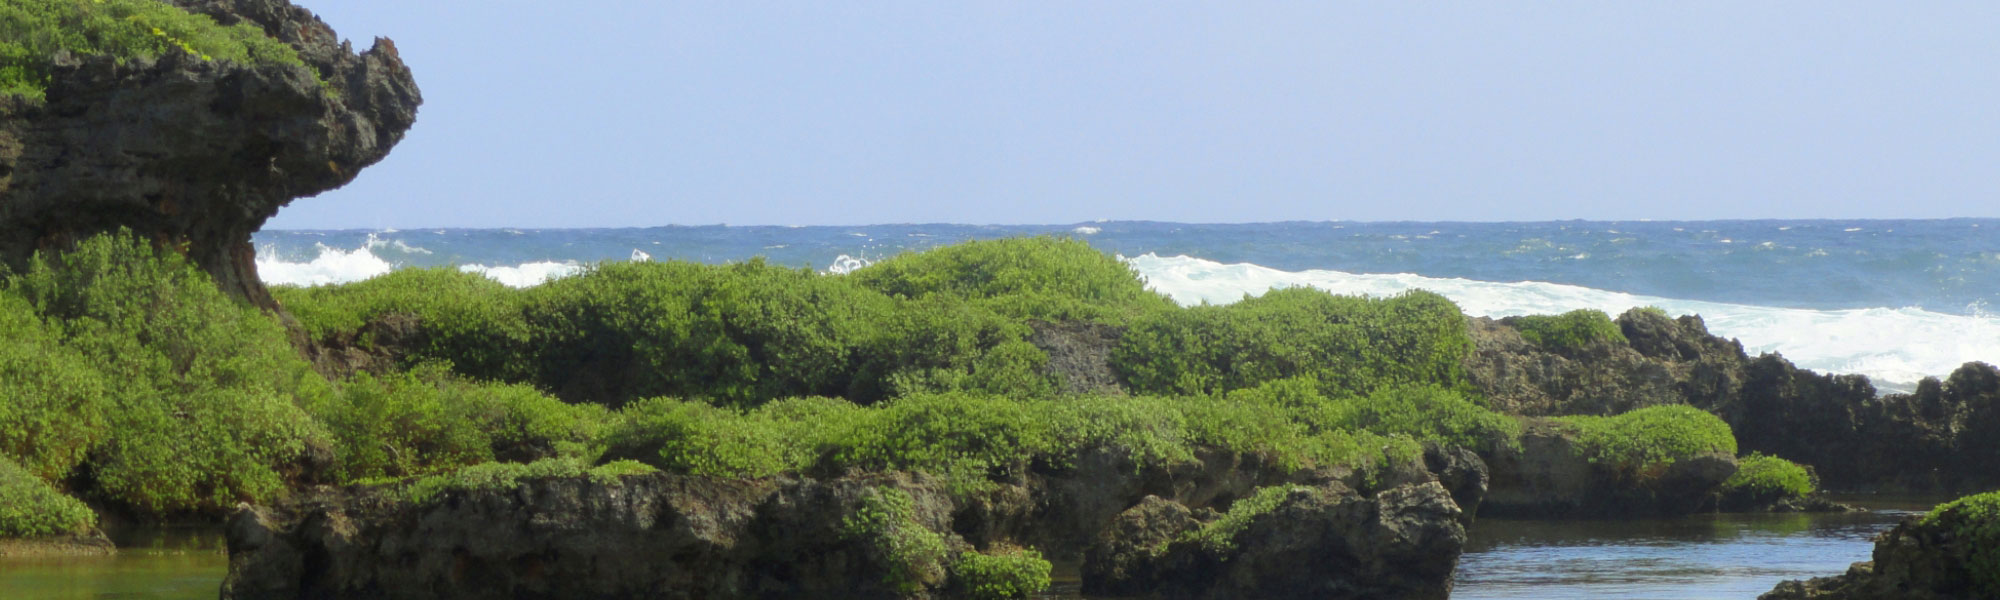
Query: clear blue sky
(641, 112)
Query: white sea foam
(1895, 347)
(333, 265)
(847, 264)
(526, 274)
(1087, 230)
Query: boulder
(195, 154)
(1326, 542)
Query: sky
(634, 113)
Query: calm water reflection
(1734, 556)
(156, 564)
(1708, 556)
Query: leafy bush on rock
(1769, 478)
(1350, 345)
(1974, 523)
(33, 31)
(1570, 331)
(30, 507)
(1644, 440)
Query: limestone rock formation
(1853, 437)
(1327, 542)
(1914, 561)
(197, 154)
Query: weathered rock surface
(1914, 561)
(196, 154)
(690, 537)
(1838, 424)
(657, 536)
(1322, 542)
(1547, 477)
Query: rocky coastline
(1417, 426)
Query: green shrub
(1045, 278)
(205, 410)
(1219, 536)
(30, 507)
(1351, 345)
(943, 343)
(1640, 442)
(1568, 332)
(425, 420)
(697, 438)
(32, 31)
(505, 476)
(1001, 575)
(738, 334)
(53, 404)
(1769, 478)
(1424, 412)
(885, 523)
(466, 319)
(1974, 524)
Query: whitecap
(640, 256)
(846, 264)
(526, 274)
(1087, 230)
(1893, 346)
(331, 265)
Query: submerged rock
(197, 154)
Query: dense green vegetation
(1024, 278)
(172, 396)
(1570, 331)
(1642, 442)
(886, 525)
(33, 31)
(1765, 478)
(29, 506)
(1350, 345)
(1974, 524)
(1000, 575)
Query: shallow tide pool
(1733, 556)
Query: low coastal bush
(885, 524)
(32, 31)
(30, 507)
(426, 420)
(1350, 345)
(1769, 478)
(1974, 523)
(1570, 331)
(53, 405)
(467, 319)
(203, 392)
(1424, 412)
(975, 439)
(1050, 279)
(737, 334)
(1640, 442)
(1003, 574)
(506, 476)
(1219, 535)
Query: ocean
(1894, 300)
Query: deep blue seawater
(1896, 300)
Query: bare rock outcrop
(196, 154)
